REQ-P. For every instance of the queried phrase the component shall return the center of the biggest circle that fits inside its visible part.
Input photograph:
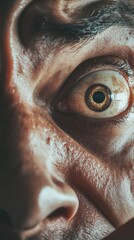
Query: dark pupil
(99, 97)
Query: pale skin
(66, 150)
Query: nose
(30, 191)
(30, 203)
(58, 201)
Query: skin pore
(66, 154)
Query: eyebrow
(94, 19)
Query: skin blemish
(48, 140)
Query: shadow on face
(66, 119)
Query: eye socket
(100, 94)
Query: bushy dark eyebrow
(93, 20)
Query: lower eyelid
(105, 63)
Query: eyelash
(125, 67)
(122, 65)
(109, 62)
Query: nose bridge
(15, 88)
(18, 160)
(10, 44)
(6, 27)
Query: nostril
(60, 212)
(5, 218)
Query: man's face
(66, 118)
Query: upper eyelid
(106, 61)
(124, 65)
(116, 62)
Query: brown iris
(98, 97)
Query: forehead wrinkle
(74, 6)
(77, 3)
(75, 9)
(84, 25)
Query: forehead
(63, 3)
(67, 5)
(77, 4)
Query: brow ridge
(106, 14)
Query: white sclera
(118, 86)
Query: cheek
(110, 142)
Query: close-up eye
(100, 94)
